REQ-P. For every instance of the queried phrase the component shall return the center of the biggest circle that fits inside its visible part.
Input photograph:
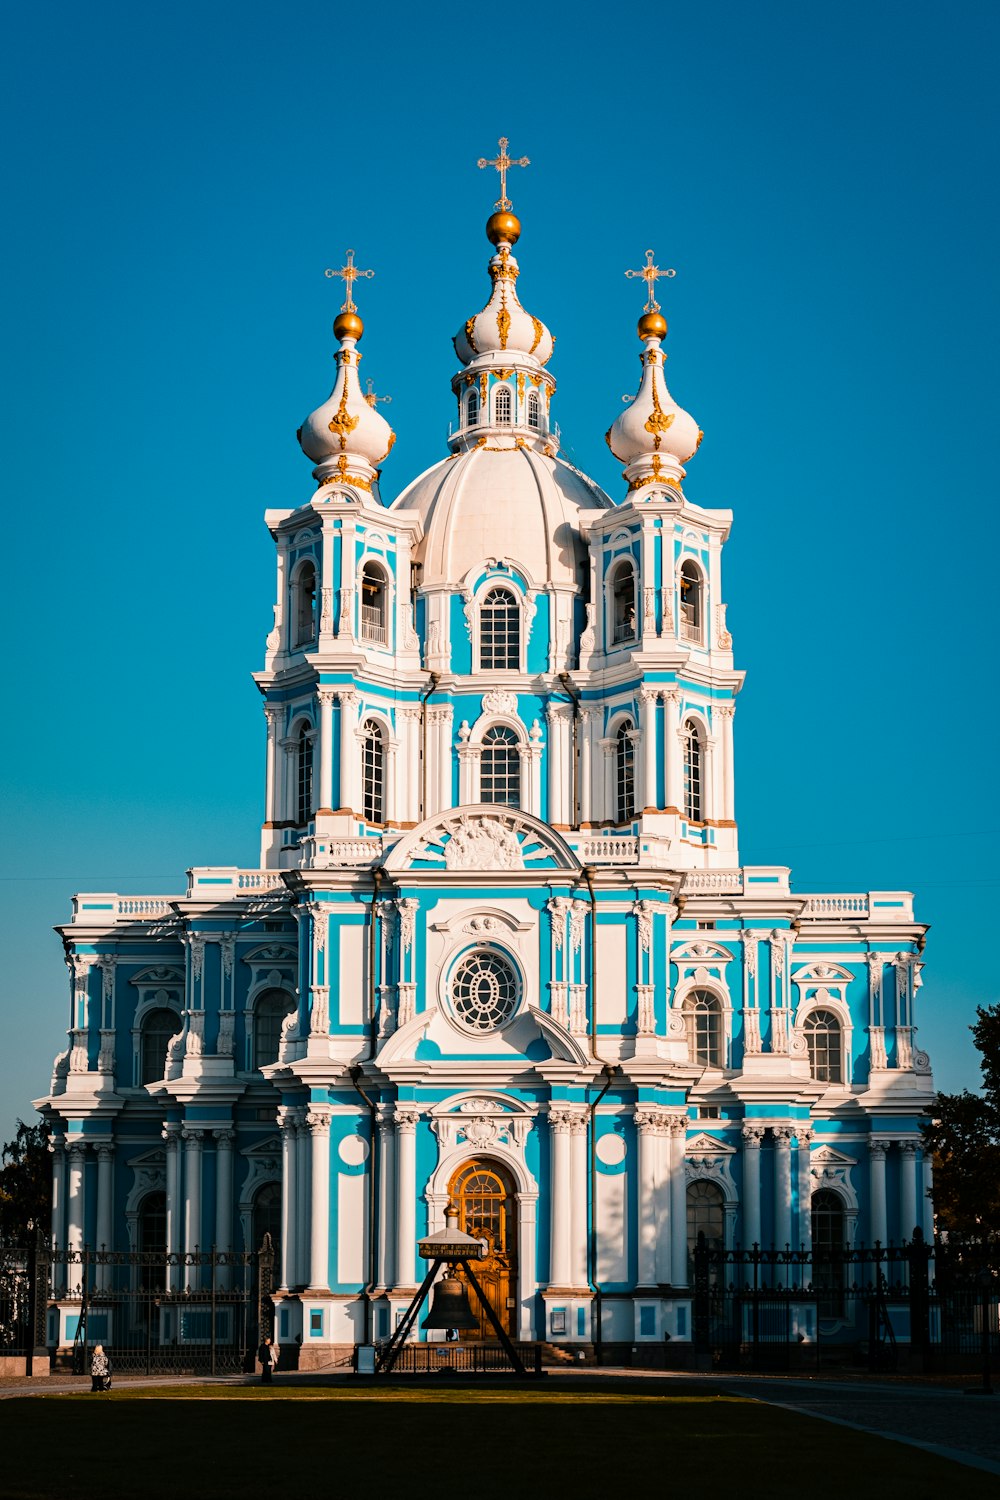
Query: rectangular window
(316, 1325)
(647, 1321)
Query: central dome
(513, 502)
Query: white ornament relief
(589, 637)
(750, 953)
(577, 923)
(779, 1032)
(326, 614)
(578, 1009)
(904, 1049)
(646, 1009)
(319, 1015)
(722, 635)
(483, 844)
(106, 1055)
(878, 1057)
(901, 963)
(107, 966)
(346, 609)
(558, 906)
(406, 1007)
(406, 908)
(530, 608)
(777, 941)
(228, 946)
(479, 925)
(194, 1041)
(227, 1022)
(499, 701)
(644, 920)
(751, 1033)
(196, 946)
(649, 610)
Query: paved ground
(939, 1419)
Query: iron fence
(16, 1283)
(459, 1358)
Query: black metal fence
(908, 1306)
(17, 1279)
(469, 1359)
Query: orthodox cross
(349, 275)
(371, 397)
(649, 274)
(502, 162)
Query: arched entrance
(484, 1195)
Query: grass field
(419, 1442)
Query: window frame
(515, 613)
(377, 799)
(268, 993)
(298, 638)
(693, 999)
(502, 393)
(514, 747)
(145, 1028)
(625, 766)
(372, 632)
(625, 631)
(688, 629)
(834, 1044)
(694, 769)
(304, 788)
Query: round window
(484, 990)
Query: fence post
(918, 1256)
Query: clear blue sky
(824, 179)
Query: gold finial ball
(652, 325)
(503, 227)
(347, 325)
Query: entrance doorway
(483, 1194)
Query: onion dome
(653, 437)
(503, 328)
(346, 438)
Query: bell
(450, 1306)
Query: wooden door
(483, 1193)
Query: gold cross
(349, 274)
(649, 274)
(502, 162)
(371, 397)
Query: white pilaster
(559, 1227)
(58, 1230)
(647, 723)
(303, 1185)
(224, 1198)
(678, 1201)
(909, 1168)
(782, 1186)
(74, 1203)
(318, 1121)
(752, 1137)
(387, 1200)
(579, 1184)
(286, 1125)
(171, 1140)
(648, 1125)
(406, 1195)
(803, 1135)
(348, 748)
(192, 1191)
(878, 1226)
(324, 750)
(674, 766)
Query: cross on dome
(370, 395)
(501, 163)
(650, 274)
(349, 273)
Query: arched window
(501, 404)
(623, 622)
(266, 1215)
(533, 411)
(472, 408)
(303, 776)
(372, 772)
(159, 1027)
(703, 1017)
(625, 772)
(829, 1241)
(152, 1241)
(269, 1011)
(706, 1215)
(304, 605)
(692, 602)
(822, 1033)
(374, 610)
(500, 767)
(693, 802)
(499, 632)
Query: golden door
(484, 1196)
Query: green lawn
(228, 1442)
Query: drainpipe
(574, 693)
(357, 1073)
(435, 679)
(608, 1071)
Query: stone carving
(406, 908)
(319, 1017)
(196, 945)
(483, 844)
(644, 920)
(227, 1022)
(646, 1009)
(228, 946)
(500, 701)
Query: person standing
(267, 1361)
(100, 1370)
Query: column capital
(679, 1125)
(909, 1148)
(318, 1118)
(877, 1147)
(783, 1134)
(76, 1149)
(803, 1134)
(105, 1152)
(651, 1120)
(753, 1136)
(407, 1117)
(224, 1138)
(190, 1134)
(171, 1134)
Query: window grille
(501, 404)
(472, 408)
(692, 602)
(484, 990)
(372, 772)
(625, 772)
(533, 415)
(269, 1012)
(304, 777)
(374, 624)
(623, 605)
(158, 1030)
(499, 632)
(692, 773)
(829, 1239)
(822, 1033)
(500, 767)
(706, 1208)
(703, 1015)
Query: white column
(74, 1202)
(58, 1192)
(782, 1186)
(678, 1201)
(408, 789)
(752, 1137)
(647, 723)
(303, 1183)
(534, 770)
(560, 772)
(445, 715)
(579, 1172)
(664, 1258)
(909, 1167)
(271, 713)
(387, 1200)
(324, 749)
(559, 1225)
(286, 1124)
(224, 1202)
(318, 1121)
(878, 1224)
(803, 1134)
(672, 751)
(925, 1177)
(468, 772)
(406, 1195)
(727, 811)
(586, 788)
(607, 809)
(192, 1191)
(105, 1165)
(171, 1140)
(348, 748)
(648, 1124)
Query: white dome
(511, 502)
(653, 437)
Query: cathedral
(500, 951)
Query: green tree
(964, 1137)
(25, 1185)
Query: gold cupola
(653, 437)
(346, 438)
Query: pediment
(271, 1147)
(482, 837)
(701, 952)
(818, 973)
(481, 1102)
(826, 1156)
(159, 976)
(271, 953)
(533, 1036)
(153, 1160)
(708, 1145)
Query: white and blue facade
(500, 923)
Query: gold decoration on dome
(484, 387)
(503, 374)
(698, 443)
(469, 379)
(658, 420)
(343, 423)
(470, 334)
(371, 397)
(503, 163)
(650, 274)
(552, 339)
(349, 274)
(520, 385)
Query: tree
(964, 1137)
(25, 1185)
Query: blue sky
(178, 178)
